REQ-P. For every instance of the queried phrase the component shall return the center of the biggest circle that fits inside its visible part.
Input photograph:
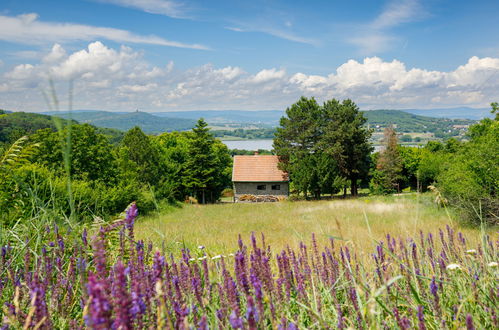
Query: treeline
(325, 149)
(81, 173)
(464, 175)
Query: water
(253, 145)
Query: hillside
(257, 124)
(406, 122)
(13, 125)
(123, 121)
(453, 113)
(263, 118)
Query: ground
(357, 222)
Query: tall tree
(296, 142)
(139, 157)
(206, 171)
(389, 164)
(346, 139)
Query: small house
(258, 175)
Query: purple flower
(235, 321)
(131, 214)
(469, 322)
(421, 324)
(433, 287)
(251, 313)
(100, 311)
(121, 299)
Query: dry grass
(355, 221)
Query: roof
(257, 168)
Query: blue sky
(161, 55)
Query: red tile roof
(257, 168)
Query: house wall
(250, 188)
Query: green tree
(386, 178)
(206, 171)
(470, 177)
(346, 139)
(91, 154)
(139, 158)
(296, 144)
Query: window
(276, 187)
(261, 187)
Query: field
(357, 222)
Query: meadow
(356, 222)
(104, 276)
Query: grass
(355, 221)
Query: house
(258, 175)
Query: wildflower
(433, 287)
(216, 257)
(201, 247)
(235, 321)
(469, 322)
(202, 258)
(453, 267)
(421, 324)
(471, 252)
(493, 264)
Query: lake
(254, 145)
(249, 144)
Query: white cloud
(28, 29)
(56, 54)
(120, 79)
(268, 75)
(161, 7)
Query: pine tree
(201, 166)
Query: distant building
(258, 175)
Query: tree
(138, 157)
(346, 139)
(316, 143)
(206, 173)
(296, 143)
(388, 172)
(91, 154)
(470, 177)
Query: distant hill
(13, 125)
(407, 122)
(266, 118)
(453, 113)
(123, 121)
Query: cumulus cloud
(28, 29)
(121, 79)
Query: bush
(471, 178)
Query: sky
(170, 55)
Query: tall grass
(289, 223)
(57, 278)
